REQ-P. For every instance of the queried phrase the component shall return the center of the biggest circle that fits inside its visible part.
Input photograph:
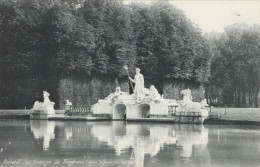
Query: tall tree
(235, 67)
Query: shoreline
(226, 118)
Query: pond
(70, 143)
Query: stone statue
(110, 99)
(139, 85)
(36, 103)
(46, 107)
(46, 97)
(116, 94)
(187, 104)
(68, 103)
(204, 104)
(186, 95)
(155, 96)
(151, 95)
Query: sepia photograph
(129, 83)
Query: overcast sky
(215, 15)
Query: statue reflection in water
(45, 130)
(140, 139)
(150, 138)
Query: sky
(215, 15)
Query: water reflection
(135, 144)
(139, 139)
(150, 138)
(192, 136)
(43, 130)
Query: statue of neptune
(139, 85)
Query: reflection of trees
(13, 132)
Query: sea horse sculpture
(46, 106)
(187, 98)
(187, 104)
(46, 97)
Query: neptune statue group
(145, 103)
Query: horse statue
(46, 97)
(187, 98)
(187, 105)
(46, 105)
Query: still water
(67, 144)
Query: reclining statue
(113, 97)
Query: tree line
(235, 69)
(99, 37)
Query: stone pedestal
(39, 114)
(102, 110)
(67, 107)
(196, 117)
(204, 112)
(158, 110)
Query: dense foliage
(235, 70)
(99, 37)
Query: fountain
(149, 105)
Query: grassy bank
(236, 114)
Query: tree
(235, 67)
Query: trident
(126, 68)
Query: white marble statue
(46, 106)
(116, 94)
(46, 97)
(36, 104)
(139, 85)
(186, 95)
(151, 95)
(154, 94)
(113, 97)
(68, 103)
(187, 105)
